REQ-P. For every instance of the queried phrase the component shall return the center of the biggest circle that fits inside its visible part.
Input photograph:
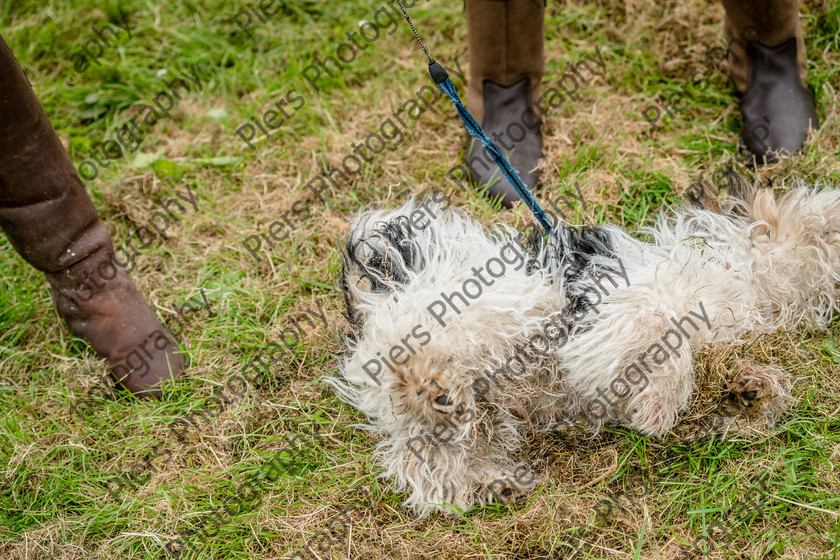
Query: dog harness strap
(441, 78)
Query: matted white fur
(451, 417)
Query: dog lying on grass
(464, 341)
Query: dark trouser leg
(507, 58)
(767, 66)
(51, 221)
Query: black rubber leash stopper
(439, 75)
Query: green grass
(52, 500)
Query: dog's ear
(379, 256)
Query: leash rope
(417, 35)
(441, 78)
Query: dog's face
(427, 370)
(432, 388)
(414, 369)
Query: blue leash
(441, 78)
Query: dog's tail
(794, 249)
(790, 244)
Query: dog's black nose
(443, 400)
(749, 395)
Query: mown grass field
(53, 503)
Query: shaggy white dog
(465, 340)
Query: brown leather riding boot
(767, 67)
(50, 220)
(507, 58)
